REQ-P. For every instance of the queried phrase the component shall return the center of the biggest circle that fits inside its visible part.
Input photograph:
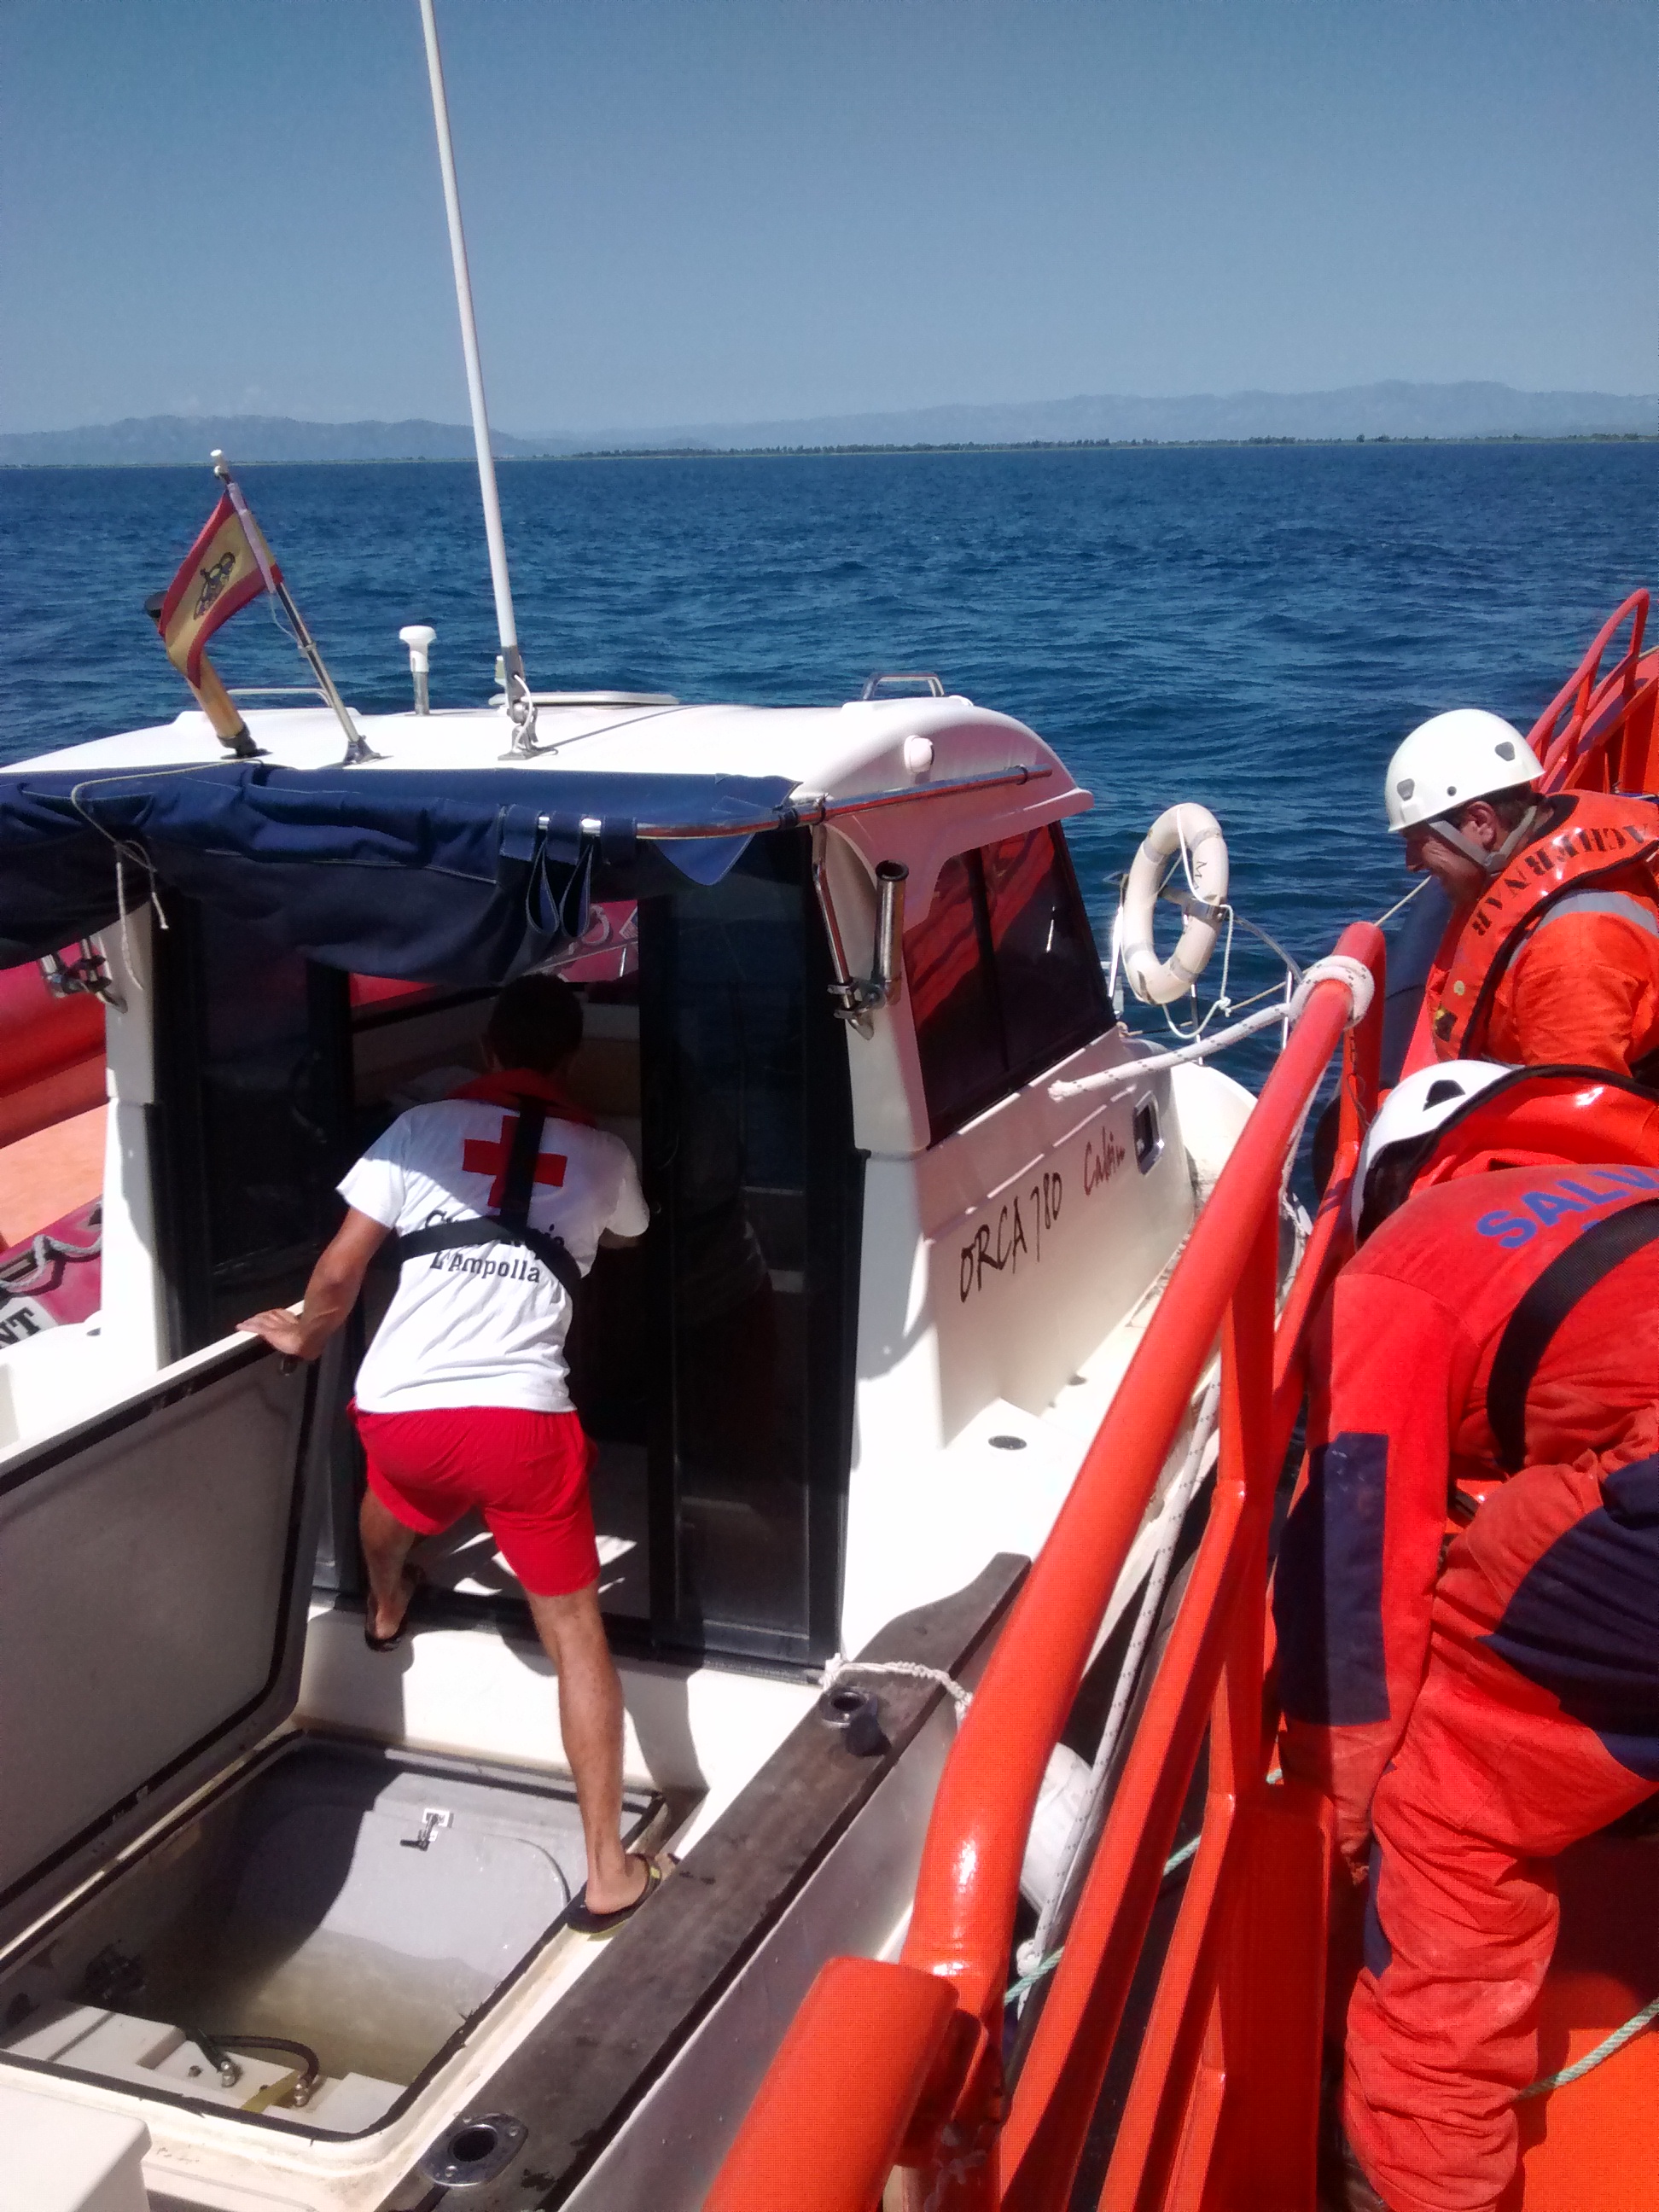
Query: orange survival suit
(1498, 1332)
(1559, 958)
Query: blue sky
(705, 210)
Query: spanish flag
(229, 565)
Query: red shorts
(526, 1472)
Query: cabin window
(953, 1000)
(1003, 976)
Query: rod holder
(888, 977)
(858, 997)
(419, 637)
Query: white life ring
(1193, 832)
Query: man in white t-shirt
(499, 1197)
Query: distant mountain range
(157, 440)
(1367, 411)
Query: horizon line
(823, 452)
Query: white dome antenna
(419, 638)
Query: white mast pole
(519, 705)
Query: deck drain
(1007, 1443)
(473, 2149)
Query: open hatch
(197, 1901)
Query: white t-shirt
(483, 1324)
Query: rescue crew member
(462, 1401)
(1552, 953)
(1471, 1719)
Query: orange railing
(900, 2066)
(1598, 732)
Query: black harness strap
(1586, 1262)
(519, 1182)
(512, 1225)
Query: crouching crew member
(1496, 1336)
(1552, 953)
(499, 1198)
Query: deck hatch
(154, 1575)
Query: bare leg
(591, 1717)
(386, 1546)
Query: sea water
(1254, 628)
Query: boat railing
(1597, 733)
(899, 2065)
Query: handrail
(1582, 701)
(962, 1923)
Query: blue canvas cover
(464, 877)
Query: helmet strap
(1512, 844)
(1490, 864)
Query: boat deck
(1594, 2142)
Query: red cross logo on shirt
(479, 1156)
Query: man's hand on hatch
(329, 1295)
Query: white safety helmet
(1411, 1112)
(1451, 759)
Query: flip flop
(588, 1923)
(391, 1643)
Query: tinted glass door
(748, 1137)
(252, 1119)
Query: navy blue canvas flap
(465, 877)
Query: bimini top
(440, 861)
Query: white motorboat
(833, 962)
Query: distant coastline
(1380, 414)
(827, 452)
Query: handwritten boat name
(1102, 1156)
(1004, 1246)
(1023, 1220)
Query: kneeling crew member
(1551, 954)
(1472, 1720)
(499, 1197)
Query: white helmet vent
(1463, 754)
(1406, 1122)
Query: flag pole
(521, 707)
(357, 746)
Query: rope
(1178, 1859)
(1336, 968)
(1638, 2024)
(835, 1668)
(1177, 1496)
(521, 714)
(45, 1250)
(1405, 902)
(957, 2170)
(1173, 1864)
(1620, 2036)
